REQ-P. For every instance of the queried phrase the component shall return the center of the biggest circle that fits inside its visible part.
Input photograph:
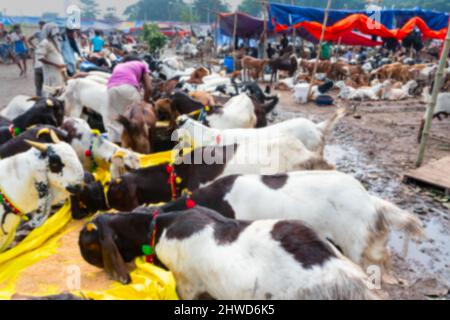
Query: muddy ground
(377, 149)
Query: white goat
(84, 92)
(312, 135)
(17, 106)
(334, 204)
(394, 94)
(366, 93)
(238, 112)
(288, 260)
(32, 181)
(94, 150)
(344, 90)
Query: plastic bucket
(229, 64)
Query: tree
(251, 7)
(157, 10)
(154, 38)
(110, 15)
(205, 9)
(89, 9)
(50, 16)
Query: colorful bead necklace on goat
(173, 180)
(149, 249)
(90, 153)
(14, 209)
(14, 131)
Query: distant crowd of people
(55, 52)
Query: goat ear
(113, 262)
(124, 122)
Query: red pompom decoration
(88, 153)
(190, 203)
(169, 169)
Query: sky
(37, 7)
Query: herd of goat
(239, 228)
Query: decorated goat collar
(173, 180)
(14, 131)
(6, 202)
(90, 152)
(201, 113)
(149, 249)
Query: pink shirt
(128, 73)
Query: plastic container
(301, 92)
(229, 64)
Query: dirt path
(377, 149)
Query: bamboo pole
(234, 40)
(319, 52)
(264, 10)
(294, 33)
(437, 87)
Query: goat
(34, 180)
(84, 92)
(198, 75)
(17, 106)
(362, 93)
(238, 112)
(49, 111)
(288, 261)
(290, 65)
(162, 183)
(394, 94)
(139, 123)
(442, 108)
(95, 151)
(334, 204)
(253, 66)
(37, 133)
(312, 135)
(204, 97)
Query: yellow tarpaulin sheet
(47, 261)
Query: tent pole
(216, 49)
(294, 33)
(319, 52)
(437, 87)
(264, 10)
(234, 40)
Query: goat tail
(391, 215)
(327, 126)
(268, 107)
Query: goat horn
(41, 132)
(119, 154)
(40, 146)
(91, 227)
(35, 98)
(54, 137)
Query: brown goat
(139, 123)
(253, 67)
(198, 75)
(204, 97)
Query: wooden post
(234, 39)
(319, 52)
(264, 10)
(294, 34)
(437, 87)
